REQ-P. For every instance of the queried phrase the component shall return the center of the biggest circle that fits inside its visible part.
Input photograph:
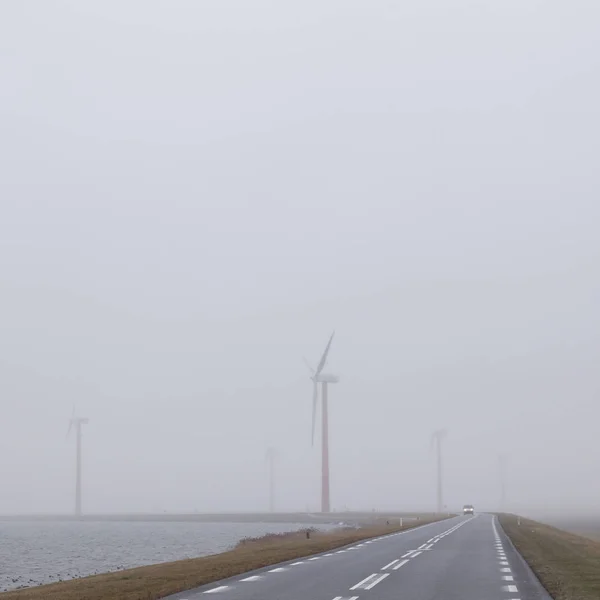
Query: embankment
(568, 565)
(157, 581)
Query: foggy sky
(194, 194)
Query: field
(157, 581)
(586, 526)
(567, 564)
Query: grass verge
(157, 581)
(568, 565)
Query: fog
(193, 195)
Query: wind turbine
(324, 379)
(270, 457)
(77, 422)
(436, 439)
(502, 465)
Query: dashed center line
(390, 564)
(376, 581)
(400, 564)
(364, 582)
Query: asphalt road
(464, 558)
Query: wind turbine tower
(271, 455)
(502, 464)
(436, 439)
(77, 422)
(318, 376)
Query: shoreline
(157, 581)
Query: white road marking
(416, 554)
(422, 546)
(278, 570)
(390, 564)
(342, 598)
(376, 581)
(363, 582)
(300, 562)
(408, 554)
(508, 578)
(400, 564)
(340, 552)
(510, 588)
(428, 547)
(252, 578)
(221, 588)
(315, 558)
(328, 554)
(505, 570)
(504, 562)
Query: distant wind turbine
(77, 422)
(502, 459)
(317, 376)
(436, 440)
(270, 456)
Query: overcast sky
(194, 194)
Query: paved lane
(465, 558)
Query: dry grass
(157, 581)
(568, 565)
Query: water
(33, 553)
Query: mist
(194, 195)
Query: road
(464, 558)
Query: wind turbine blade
(324, 357)
(314, 410)
(311, 369)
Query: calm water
(32, 553)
